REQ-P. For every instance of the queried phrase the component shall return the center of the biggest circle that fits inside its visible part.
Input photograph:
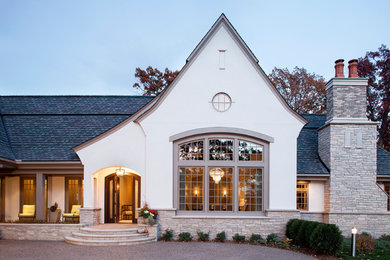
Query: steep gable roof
(46, 128)
(221, 21)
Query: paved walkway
(16, 249)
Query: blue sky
(93, 47)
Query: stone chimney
(346, 97)
(347, 146)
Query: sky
(93, 47)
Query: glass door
(112, 199)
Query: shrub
(256, 239)
(300, 238)
(203, 236)
(220, 237)
(288, 227)
(326, 239)
(364, 243)
(167, 235)
(238, 238)
(385, 237)
(295, 226)
(309, 230)
(185, 236)
(273, 239)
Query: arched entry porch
(117, 192)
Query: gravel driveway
(17, 249)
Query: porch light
(120, 172)
(216, 174)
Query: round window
(221, 102)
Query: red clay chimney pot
(352, 67)
(339, 68)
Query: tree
(153, 81)
(375, 66)
(303, 91)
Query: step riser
(100, 237)
(109, 232)
(108, 243)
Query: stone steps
(108, 237)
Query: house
(217, 150)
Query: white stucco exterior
(316, 196)
(144, 146)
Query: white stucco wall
(12, 198)
(146, 148)
(316, 196)
(255, 108)
(56, 192)
(123, 148)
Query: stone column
(90, 216)
(40, 197)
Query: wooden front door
(111, 199)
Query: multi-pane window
(248, 151)
(250, 193)
(191, 188)
(302, 193)
(221, 149)
(220, 174)
(191, 151)
(387, 190)
(220, 189)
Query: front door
(112, 199)
(122, 198)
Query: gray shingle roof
(308, 160)
(46, 128)
(5, 147)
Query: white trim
(346, 82)
(220, 130)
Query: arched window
(221, 174)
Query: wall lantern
(120, 171)
(216, 174)
(353, 240)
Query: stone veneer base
(274, 221)
(375, 224)
(26, 231)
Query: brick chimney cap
(339, 60)
(353, 61)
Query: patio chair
(28, 212)
(74, 215)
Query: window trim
(235, 164)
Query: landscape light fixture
(354, 231)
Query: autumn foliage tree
(152, 81)
(303, 91)
(375, 66)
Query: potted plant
(148, 216)
(54, 214)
